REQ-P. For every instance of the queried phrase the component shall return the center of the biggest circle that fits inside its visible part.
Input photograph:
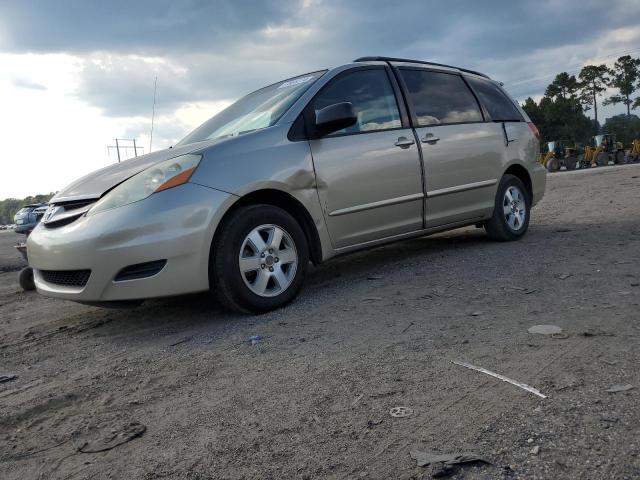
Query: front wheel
(259, 260)
(510, 219)
(25, 279)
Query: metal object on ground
(400, 412)
(524, 386)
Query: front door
(368, 175)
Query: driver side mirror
(335, 117)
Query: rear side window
(440, 98)
(499, 106)
(372, 97)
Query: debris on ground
(476, 314)
(545, 329)
(7, 378)
(183, 340)
(596, 332)
(373, 423)
(535, 450)
(619, 388)
(609, 419)
(114, 439)
(371, 299)
(400, 412)
(608, 362)
(253, 339)
(358, 398)
(444, 465)
(407, 327)
(524, 386)
(564, 276)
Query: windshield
(260, 109)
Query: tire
(571, 163)
(619, 158)
(258, 290)
(602, 160)
(553, 165)
(501, 226)
(25, 279)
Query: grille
(66, 278)
(60, 214)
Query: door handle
(404, 142)
(430, 138)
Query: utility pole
(153, 111)
(119, 146)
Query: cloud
(207, 51)
(25, 83)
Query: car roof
(420, 62)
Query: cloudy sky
(76, 74)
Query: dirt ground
(370, 332)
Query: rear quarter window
(498, 105)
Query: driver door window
(372, 97)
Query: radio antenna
(153, 112)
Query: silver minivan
(333, 161)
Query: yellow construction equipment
(603, 150)
(559, 155)
(634, 153)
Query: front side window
(499, 106)
(371, 95)
(260, 109)
(440, 98)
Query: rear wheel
(259, 260)
(510, 219)
(553, 165)
(619, 158)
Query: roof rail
(394, 59)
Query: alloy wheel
(268, 260)
(514, 208)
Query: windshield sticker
(297, 81)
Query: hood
(94, 185)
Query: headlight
(162, 176)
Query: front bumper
(176, 225)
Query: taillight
(534, 129)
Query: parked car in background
(28, 217)
(308, 168)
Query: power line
(119, 146)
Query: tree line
(560, 114)
(10, 206)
